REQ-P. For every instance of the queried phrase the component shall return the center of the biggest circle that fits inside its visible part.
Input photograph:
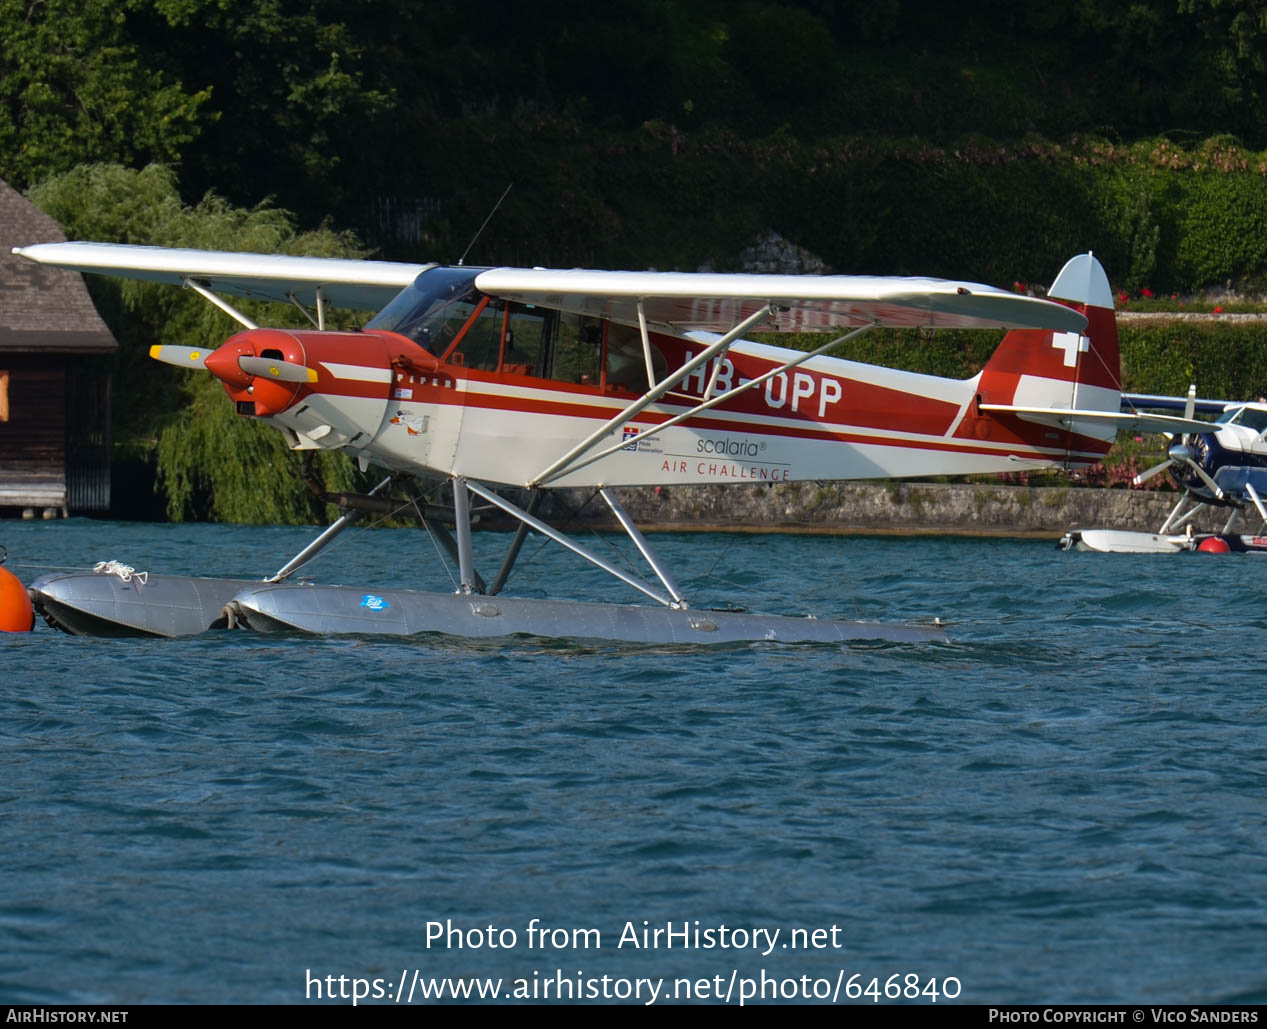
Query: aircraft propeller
(1182, 452)
(272, 368)
(265, 367)
(181, 357)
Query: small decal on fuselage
(632, 435)
(415, 425)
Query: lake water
(1066, 803)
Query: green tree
(301, 92)
(211, 463)
(75, 87)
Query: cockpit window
(433, 309)
(1250, 417)
(578, 345)
(626, 362)
(515, 338)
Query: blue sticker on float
(374, 603)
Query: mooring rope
(125, 572)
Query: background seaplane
(541, 379)
(1219, 465)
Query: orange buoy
(1213, 545)
(16, 613)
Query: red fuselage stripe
(524, 405)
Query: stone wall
(899, 507)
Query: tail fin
(1035, 370)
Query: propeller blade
(271, 368)
(181, 357)
(1148, 473)
(1201, 474)
(1189, 406)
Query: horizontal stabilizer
(1063, 417)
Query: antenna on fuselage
(462, 259)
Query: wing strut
(646, 345)
(717, 349)
(224, 305)
(721, 399)
(318, 323)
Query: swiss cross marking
(1072, 344)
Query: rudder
(1064, 370)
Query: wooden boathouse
(55, 359)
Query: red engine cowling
(264, 395)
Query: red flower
(1218, 310)
(1146, 292)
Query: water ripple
(1063, 803)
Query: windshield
(433, 309)
(1252, 417)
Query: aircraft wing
(1062, 418)
(686, 301)
(363, 285)
(1131, 401)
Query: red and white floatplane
(523, 380)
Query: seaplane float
(501, 384)
(1219, 466)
